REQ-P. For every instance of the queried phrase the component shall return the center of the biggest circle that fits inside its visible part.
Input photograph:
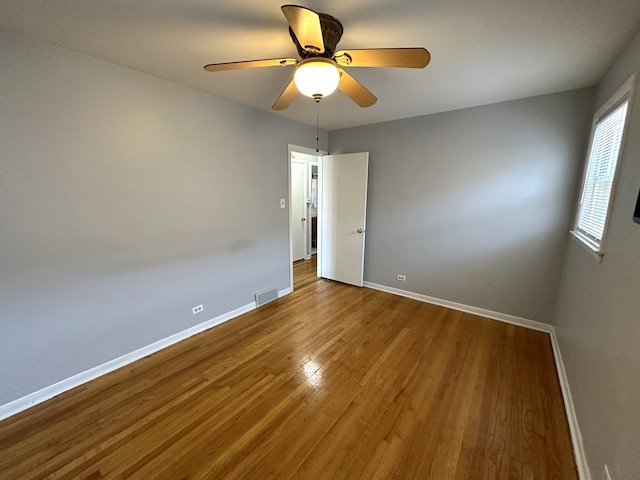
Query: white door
(298, 209)
(343, 208)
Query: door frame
(305, 235)
(310, 166)
(307, 151)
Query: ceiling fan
(320, 70)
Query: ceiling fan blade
(286, 97)
(305, 24)
(355, 90)
(272, 62)
(384, 57)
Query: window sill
(584, 243)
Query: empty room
(357, 240)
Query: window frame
(624, 93)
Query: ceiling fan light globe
(316, 77)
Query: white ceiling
(482, 51)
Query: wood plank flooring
(304, 272)
(330, 382)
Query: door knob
(359, 230)
(303, 219)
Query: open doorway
(338, 214)
(304, 189)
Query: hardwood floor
(304, 272)
(330, 382)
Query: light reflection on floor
(312, 372)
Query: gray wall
(473, 205)
(598, 315)
(124, 201)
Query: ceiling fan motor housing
(331, 33)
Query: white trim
(308, 151)
(305, 165)
(625, 93)
(51, 391)
(574, 429)
(310, 216)
(503, 317)
(32, 399)
(626, 89)
(285, 291)
(579, 454)
(319, 213)
(583, 242)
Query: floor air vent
(266, 296)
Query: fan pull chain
(317, 121)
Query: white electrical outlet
(402, 278)
(197, 309)
(605, 473)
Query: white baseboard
(574, 428)
(576, 437)
(503, 317)
(284, 292)
(51, 391)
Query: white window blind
(598, 182)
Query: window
(605, 145)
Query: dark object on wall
(636, 214)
